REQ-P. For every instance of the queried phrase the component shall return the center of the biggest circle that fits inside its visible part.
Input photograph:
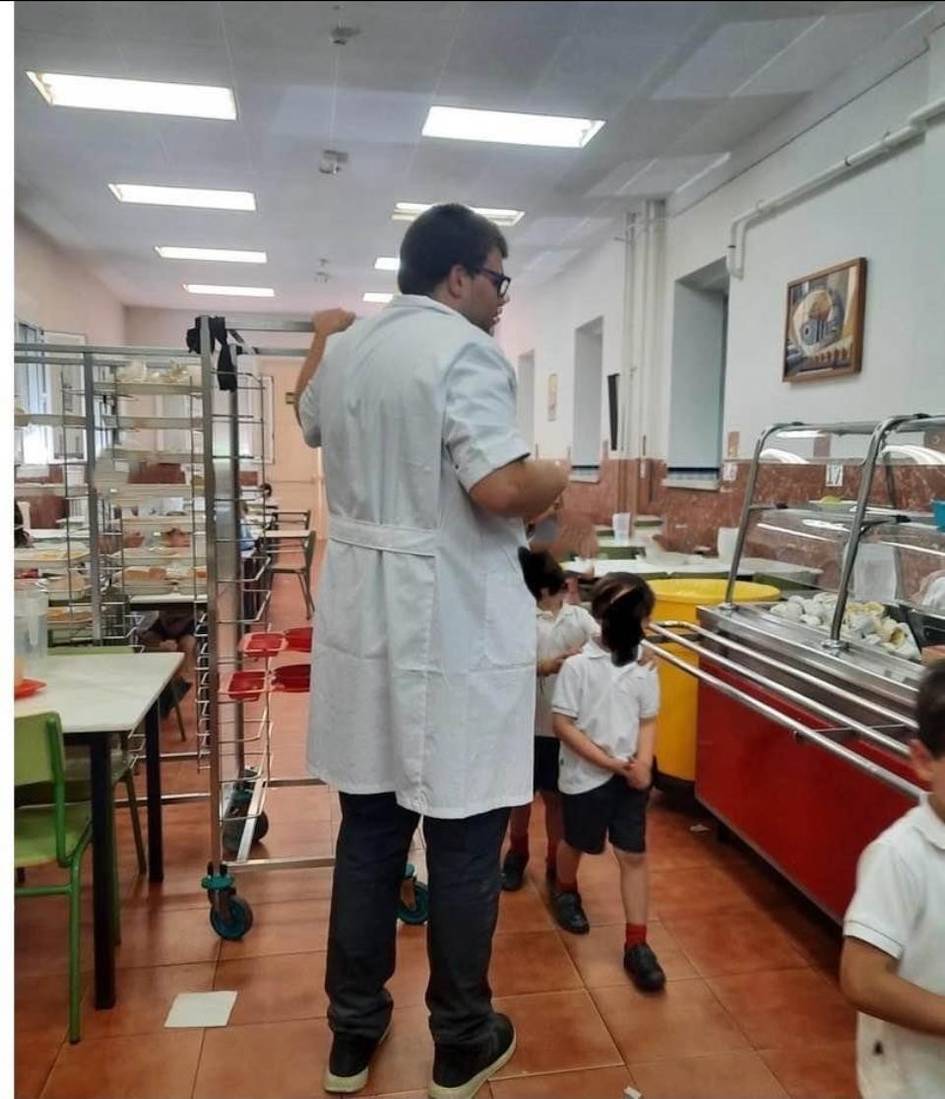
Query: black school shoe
(513, 871)
(460, 1073)
(645, 971)
(569, 912)
(350, 1062)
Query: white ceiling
(679, 85)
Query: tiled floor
(751, 1009)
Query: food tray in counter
(51, 556)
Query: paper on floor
(201, 1009)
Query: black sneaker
(513, 871)
(349, 1063)
(647, 973)
(569, 912)
(459, 1073)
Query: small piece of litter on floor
(201, 1009)
(699, 828)
(632, 1093)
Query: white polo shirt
(607, 704)
(899, 907)
(571, 628)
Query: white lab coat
(423, 666)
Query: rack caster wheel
(414, 907)
(235, 922)
(260, 828)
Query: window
(588, 434)
(697, 386)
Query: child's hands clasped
(638, 774)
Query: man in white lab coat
(423, 669)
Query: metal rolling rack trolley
(805, 712)
(235, 695)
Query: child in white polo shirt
(563, 628)
(605, 706)
(893, 964)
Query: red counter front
(809, 813)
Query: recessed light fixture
(410, 211)
(230, 291)
(183, 196)
(507, 128)
(387, 263)
(377, 299)
(140, 96)
(217, 255)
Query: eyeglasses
(499, 281)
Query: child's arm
(640, 771)
(870, 982)
(568, 733)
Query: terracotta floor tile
(816, 936)
(291, 927)
(740, 942)
(541, 1022)
(786, 1008)
(267, 1061)
(825, 1071)
(405, 1061)
(33, 1058)
(722, 1076)
(595, 1083)
(155, 936)
(181, 888)
(702, 891)
(161, 1067)
(276, 989)
(41, 1005)
(144, 997)
(523, 910)
(270, 886)
(759, 880)
(685, 1020)
(408, 986)
(599, 955)
(531, 962)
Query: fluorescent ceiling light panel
(183, 196)
(377, 299)
(409, 211)
(139, 96)
(507, 128)
(230, 291)
(387, 263)
(216, 255)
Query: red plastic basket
(262, 646)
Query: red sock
(636, 934)
(519, 844)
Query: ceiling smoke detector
(342, 35)
(332, 162)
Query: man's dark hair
(542, 572)
(930, 709)
(440, 238)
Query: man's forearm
(522, 489)
(309, 366)
(871, 985)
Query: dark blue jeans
(464, 882)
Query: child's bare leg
(554, 828)
(634, 886)
(638, 959)
(513, 868)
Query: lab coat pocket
(510, 615)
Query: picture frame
(823, 326)
(552, 397)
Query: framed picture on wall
(552, 397)
(823, 332)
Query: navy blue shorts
(615, 810)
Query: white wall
(544, 319)
(588, 394)
(55, 291)
(893, 213)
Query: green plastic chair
(78, 787)
(56, 833)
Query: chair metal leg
(180, 720)
(75, 970)
(136, 822)
(306, 593)
(20, 876)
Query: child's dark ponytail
(622, 623)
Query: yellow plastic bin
(677, 600)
